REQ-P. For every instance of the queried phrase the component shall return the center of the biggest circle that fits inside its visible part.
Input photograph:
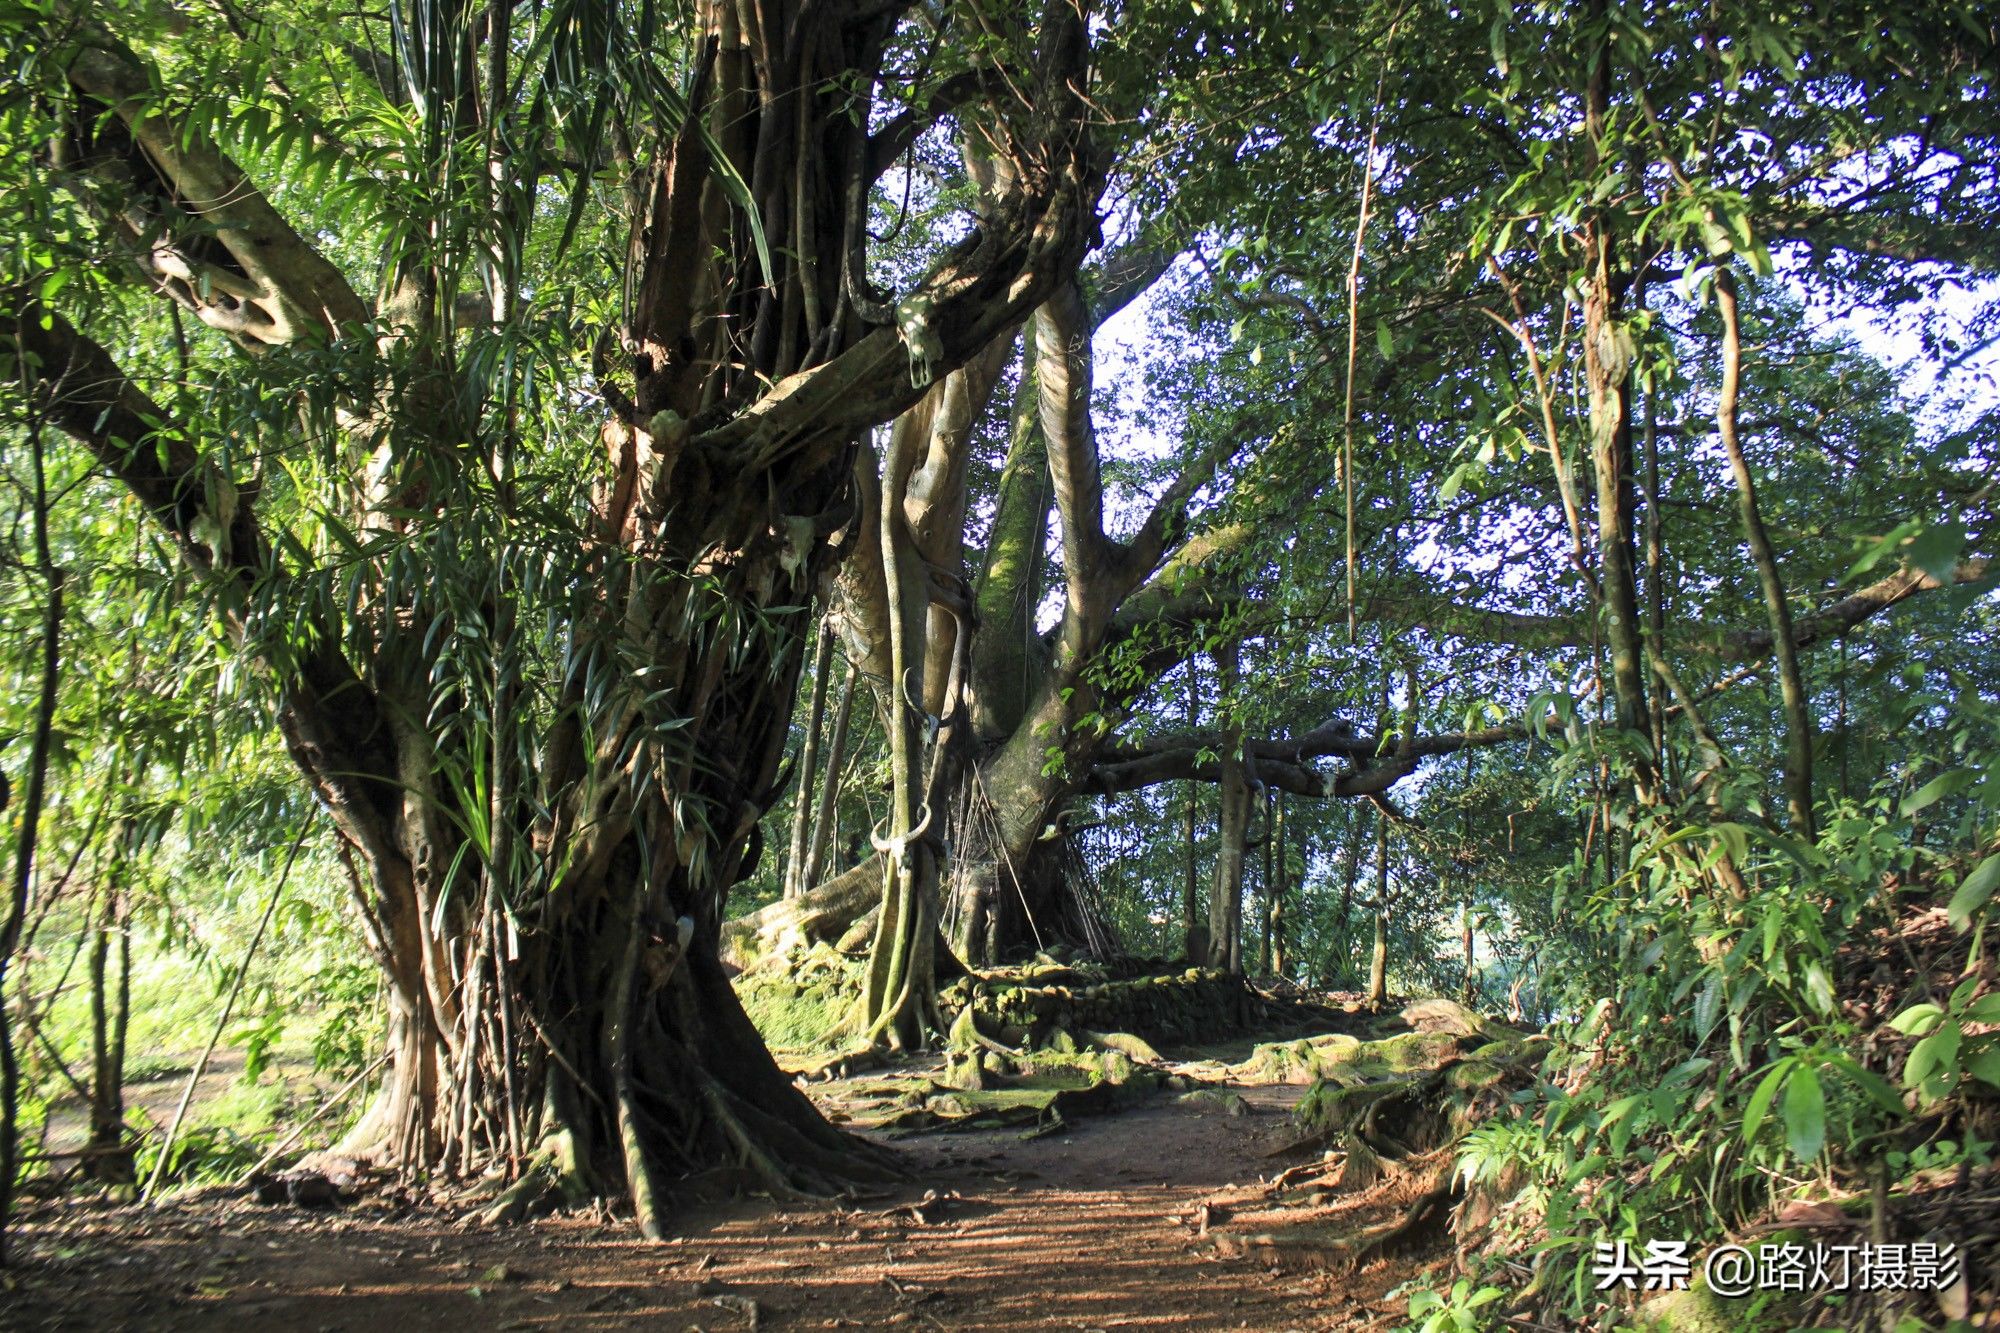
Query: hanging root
(640, 1179)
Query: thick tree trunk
(556, 1004)
(900, 998)
(592, 1040)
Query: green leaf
(1874, 551)
(1871, 1083)
(1939, 787)
(1449, 490)
(1973, 893)
(1935, 1054)
(1708, 1007)
(1935, 549)
(1985, 1009)
(1805, 1114)
(1760, 1100)
(1983, 1063)
(1917, 1019)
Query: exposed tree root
(826, 914)
(1382, 1120)
(552, 1179)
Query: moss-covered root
(553, 1178)
(1299, 1061)
(1408, 1096)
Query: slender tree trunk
(1845, 723)
(109, 1158)
(1195, 940)
(1656, 572)
(796, 875)
(1281, 883)
(1611, 458)
(1378, 958)
(1350, 878)
(1263, 922)
(1608, 353)
(827, 818)
(1225, 903)
(1791, 681)
(25, 839)
(1465, 943)
(1225, 908)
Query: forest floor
(1102, 1225)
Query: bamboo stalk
(151, 1193)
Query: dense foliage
(1418, 498)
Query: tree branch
(200, 229)
(894, 139)
(1382, 761)
(332, 721)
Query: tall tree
(551, 759)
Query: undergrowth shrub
(1822, 1032)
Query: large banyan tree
(1479, 301)
(542, 339)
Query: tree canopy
(1479, 500)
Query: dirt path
(1093, 1228)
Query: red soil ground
(1097, 1227)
